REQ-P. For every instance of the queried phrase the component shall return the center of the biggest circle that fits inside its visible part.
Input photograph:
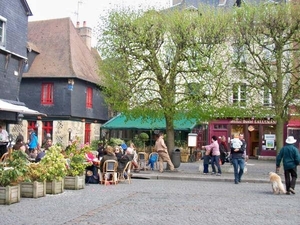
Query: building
(62, 81)
(13, 58)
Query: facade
(13, 59)
(62, 81)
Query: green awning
(121, 122)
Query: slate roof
(62, 52)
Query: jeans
(215, 159)
(238, 167)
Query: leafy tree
(165, 64)
(267, 37)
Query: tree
(268, 37)
(165, 64)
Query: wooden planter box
(184, 158)
(75, 183)
(33, 189)
(10, 195)
(55, 187)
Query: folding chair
(110, 169)
(126, 173)
(142, 160)
(3, 158)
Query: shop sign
(253, 121)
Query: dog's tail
(281, 188)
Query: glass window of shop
(296, 133)
(269, 138)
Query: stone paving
(164, 200)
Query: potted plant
(144, 137)
(34, 183)
(11, 174)
(55, 168)
(76, 165)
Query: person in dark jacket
(291, 158)
(238, 160)
(127, 157)
(223, 149)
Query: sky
(87, 10)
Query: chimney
(77, 24)
(85, 33)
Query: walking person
(238, 159)
(291, 159)
(162, 151)
(215, 155)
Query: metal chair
(110, 171)
(125, 175)
(142, 160)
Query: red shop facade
(259, 134)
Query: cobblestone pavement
(158, 202)
(183, 197)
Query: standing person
(291, 159)
(3, 141)
(223, 149)
(215, 155)
(162, 151)
(238, 159)
(100, 150)
(33, 141)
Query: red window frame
(87, 133)
(47, 94)
(89, 97)
(47, 129)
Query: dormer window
(2, 32)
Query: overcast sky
(86, 10)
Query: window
(239, 94)
(47, 94)
(267, 99)
(89, 97)
(87, 133)
(2, 31)
(239, 54)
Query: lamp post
(70, 133)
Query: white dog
(276, 182)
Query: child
(236, 143)
(152, 160)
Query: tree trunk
(279, 134)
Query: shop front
(293, 129)
(259, 134)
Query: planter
(10, 195)
(184, 158)
(75, 183)
(55, 187)
(33, 189)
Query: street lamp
(70, 133)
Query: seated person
(118, 153)
(19, 146)
(40, 155)
(125, 159)
(110, 155)
(91, 158)
(153, 158)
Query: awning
(8, 107)
(121, 122)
